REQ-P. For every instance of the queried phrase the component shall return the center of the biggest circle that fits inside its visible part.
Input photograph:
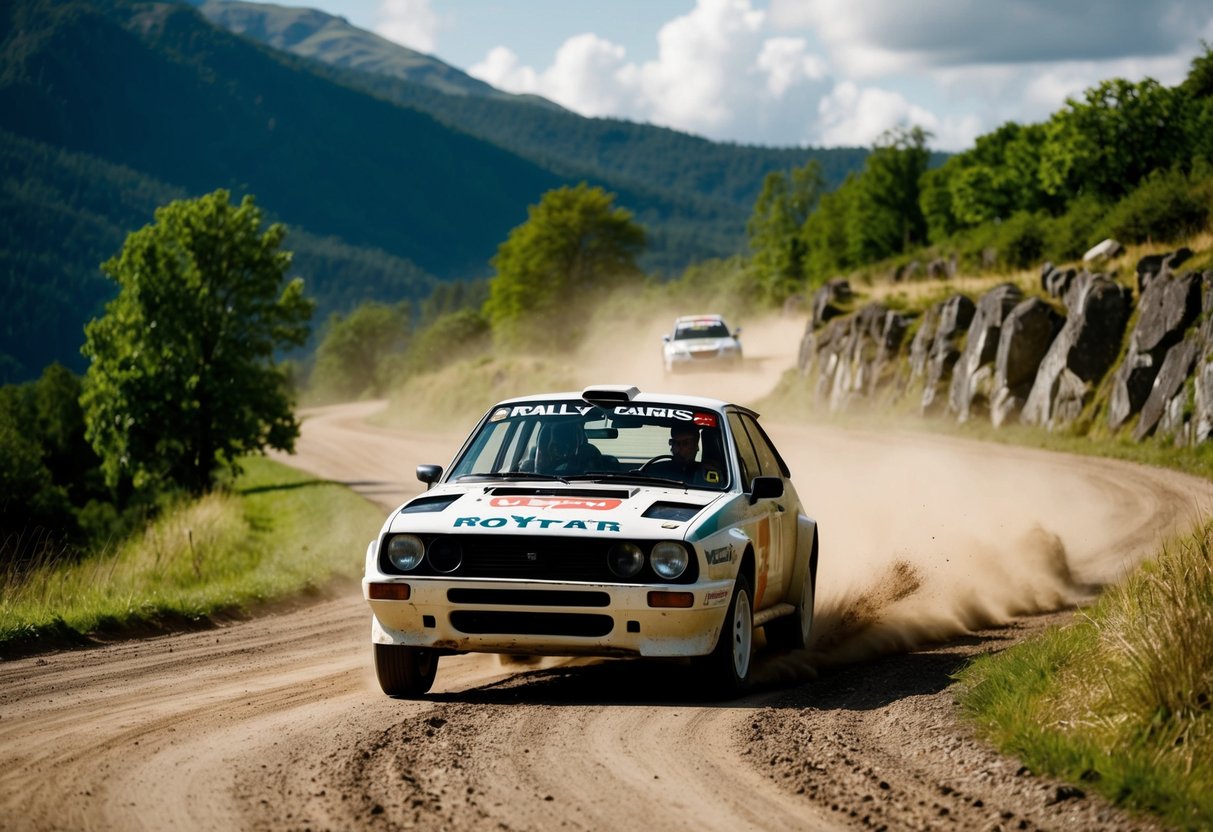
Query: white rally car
(602, 523)
(700, 342)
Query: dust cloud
(922, 538)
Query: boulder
(1103, 250)
(1168, 394)
(1152, 265)
(1202, 417)
(955, 315)
(1024, 339)
(981, 347)
(1081, 353)
(1168, 306)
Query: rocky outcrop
(1167, 308)
(1083, 351)
(973, 375)
(1021, 358)
(1027, 332)
(955, 315)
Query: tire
(729, 664)
(405, 672)
(792, 632)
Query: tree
(885, 215)
(1107, 143)
(348, 359)
(182, 379)
(575, 242)
(774, 228)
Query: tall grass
(1122, 699)
(275, 534)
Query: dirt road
(929, 547)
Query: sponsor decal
(655, 412)
(711, 476)
(722, 555)
(705, 420)
(555, 502)
(715, 598)
(561, 409)
(541, 523)
(499, 414)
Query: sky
(823, 73)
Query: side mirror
(765, 488)
(429, 474)
(665, 338)
(737, 332)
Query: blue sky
(800, 72)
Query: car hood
(627, 511)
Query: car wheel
(729, 664)
(405, 671)
(792, 632)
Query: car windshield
(701, 329)
(570, 438)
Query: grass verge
(1122, 699)
(276, 534)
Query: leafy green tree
(1108, 142)
(825, 233)
(575, 243)
(349, 357)
(885, 216)
(773, 230)
(182, 379)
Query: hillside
(727, 177)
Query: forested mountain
(641, 154)
(110, 108)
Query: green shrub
(1167, 206)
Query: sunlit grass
(1120, 701)
(275, 534)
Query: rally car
(607, 522)
(700, 342)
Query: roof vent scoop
(609, 395)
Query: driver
(562, 449)
(682, 465)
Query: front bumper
(549, 618)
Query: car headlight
(625, 559)
(445, 554)
(669, 559)
(405, 551)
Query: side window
(747, 459)
(768, 458)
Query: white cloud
(501, 69)
(715, 73)
(786, 63)
(855, 116)
(410, 23)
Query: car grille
(547, 558)
(531, 623)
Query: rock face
(955, 315)
(1168, 306)
(1019, 357)
(1083, 351)
(1202, 394)
(1026, 334)
(973, 375)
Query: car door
(786, 509)
(763, 524)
